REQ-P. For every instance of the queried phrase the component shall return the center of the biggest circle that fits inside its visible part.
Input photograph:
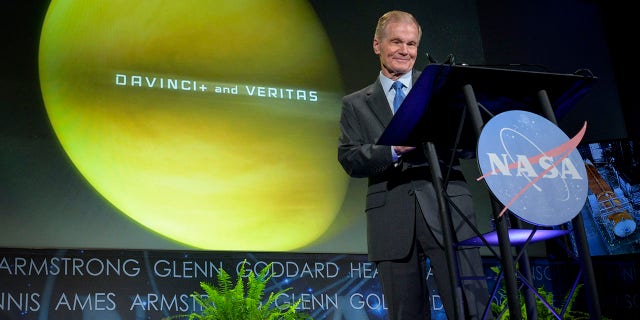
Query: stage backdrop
(143, 146)
(152, 284)
(213, 126)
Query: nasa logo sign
(533, 168)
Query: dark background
(554, 36)
(559, 36)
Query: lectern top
(433, 109)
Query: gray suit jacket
(391, 197)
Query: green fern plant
(501, 310)
(242, 301)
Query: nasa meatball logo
(533, 168)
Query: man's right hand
(400, 150)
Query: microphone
(430, 58)
(450, 59)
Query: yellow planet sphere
(213, 123)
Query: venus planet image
(212, 123)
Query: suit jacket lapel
(377, 100)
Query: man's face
(397, 49)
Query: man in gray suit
(403, 224)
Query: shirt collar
(387, 83)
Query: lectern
(446, 110)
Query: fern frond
(243, 300)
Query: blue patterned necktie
(397, 100)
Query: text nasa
(526, 168)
